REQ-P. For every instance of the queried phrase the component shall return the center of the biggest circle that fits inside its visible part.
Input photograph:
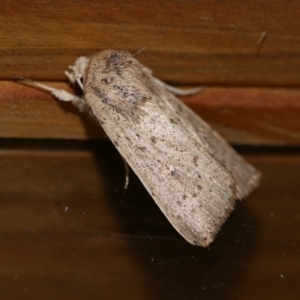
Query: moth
(193, 175)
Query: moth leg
(178, 91)
(127, 170)
(62, 95)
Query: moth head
(77, 72)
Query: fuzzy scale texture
(193, 175)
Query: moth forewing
(191, 186)
(245, 175)
(193, 190)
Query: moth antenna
(33, 83)
(138, 52)
(59, 94)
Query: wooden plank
(187, 42)
(30, 113)
(253, 116)
(66, 232)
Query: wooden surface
(67, 231)
(188, 42)
(246, 53)
(253, 116)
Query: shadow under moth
(193, 175)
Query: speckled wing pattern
(193, 175)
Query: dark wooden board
(187, 42)
(253, 116)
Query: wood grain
(253, 116)
(66, 232)
(187, 42)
